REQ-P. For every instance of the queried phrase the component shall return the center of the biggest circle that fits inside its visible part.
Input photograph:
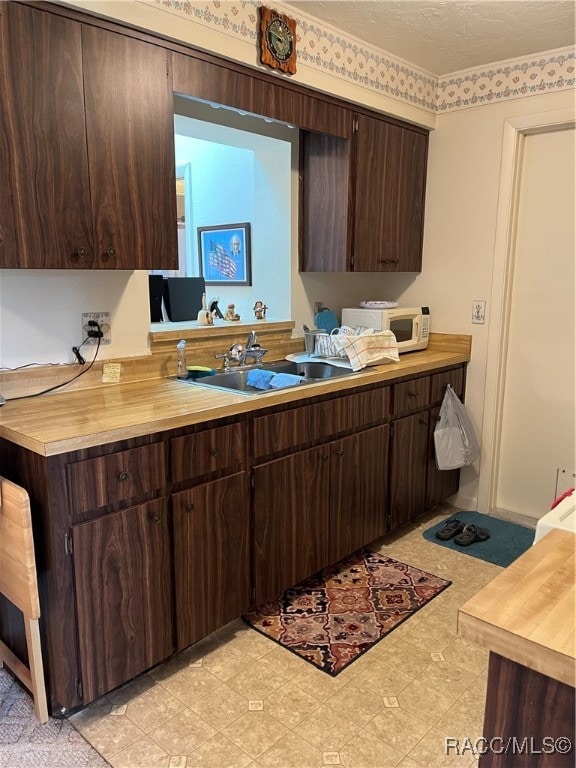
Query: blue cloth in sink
(259, 378)
(285, 380)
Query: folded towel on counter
(285, 380)
(259, 378)
(367, 348)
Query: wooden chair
(18, 582)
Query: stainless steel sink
(235, 380)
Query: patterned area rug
(335, 616)
(24, 743)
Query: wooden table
(525, 618)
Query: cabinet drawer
(411, 395)
(441, 380)
(299, 426)
(116, 477)
(209, 451)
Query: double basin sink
(235, 380)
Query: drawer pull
(189, 507)
(157, 518)
(111, 252)
(411, 394)
(123, 476)
(214, 452)
(325, 457)
(340, 452)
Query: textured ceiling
(444, 36)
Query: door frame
(515, 132)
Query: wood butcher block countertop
(67, 421)
(526, 614)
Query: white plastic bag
(454, 439)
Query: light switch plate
(479, 311)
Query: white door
(538, 413)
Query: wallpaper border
(328, 51)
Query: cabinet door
(123, 595)
(440, 483)
(45, 212)
(358, 490)
(409, 461)
(324, 201)
(211, 556)
(290, 520)
(129, 124)
(389, 197)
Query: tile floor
(238, 700)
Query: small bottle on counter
(181, 372)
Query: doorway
(529, 435)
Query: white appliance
(561, 516)
(410, 325)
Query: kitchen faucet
(240, 352)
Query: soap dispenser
(181, 371)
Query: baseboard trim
(514, 517)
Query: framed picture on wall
(224, 252)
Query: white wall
(460, 236)
(41, 314)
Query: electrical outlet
(103, 320)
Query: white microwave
(410, 325)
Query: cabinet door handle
(79, 254)
(189, 507)
(123, 476)
(157, 518)
(214, 452)
(389, 261)
(423, 422)
(325, 457)
(109, 253)
(340, 452)
(411, 394)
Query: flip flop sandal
(450, 529)
(471, 534)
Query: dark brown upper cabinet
(86, 146)
(259, 94)
(362, 199)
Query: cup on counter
(313, 341)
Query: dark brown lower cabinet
(122, 576)
(358, 490)
(316, 506)
(409, 459)
(527, 717)
(211, 556)
(291, 504)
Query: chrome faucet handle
(237, 352)
(256, 353)
(226, 357)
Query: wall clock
(277, 40)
